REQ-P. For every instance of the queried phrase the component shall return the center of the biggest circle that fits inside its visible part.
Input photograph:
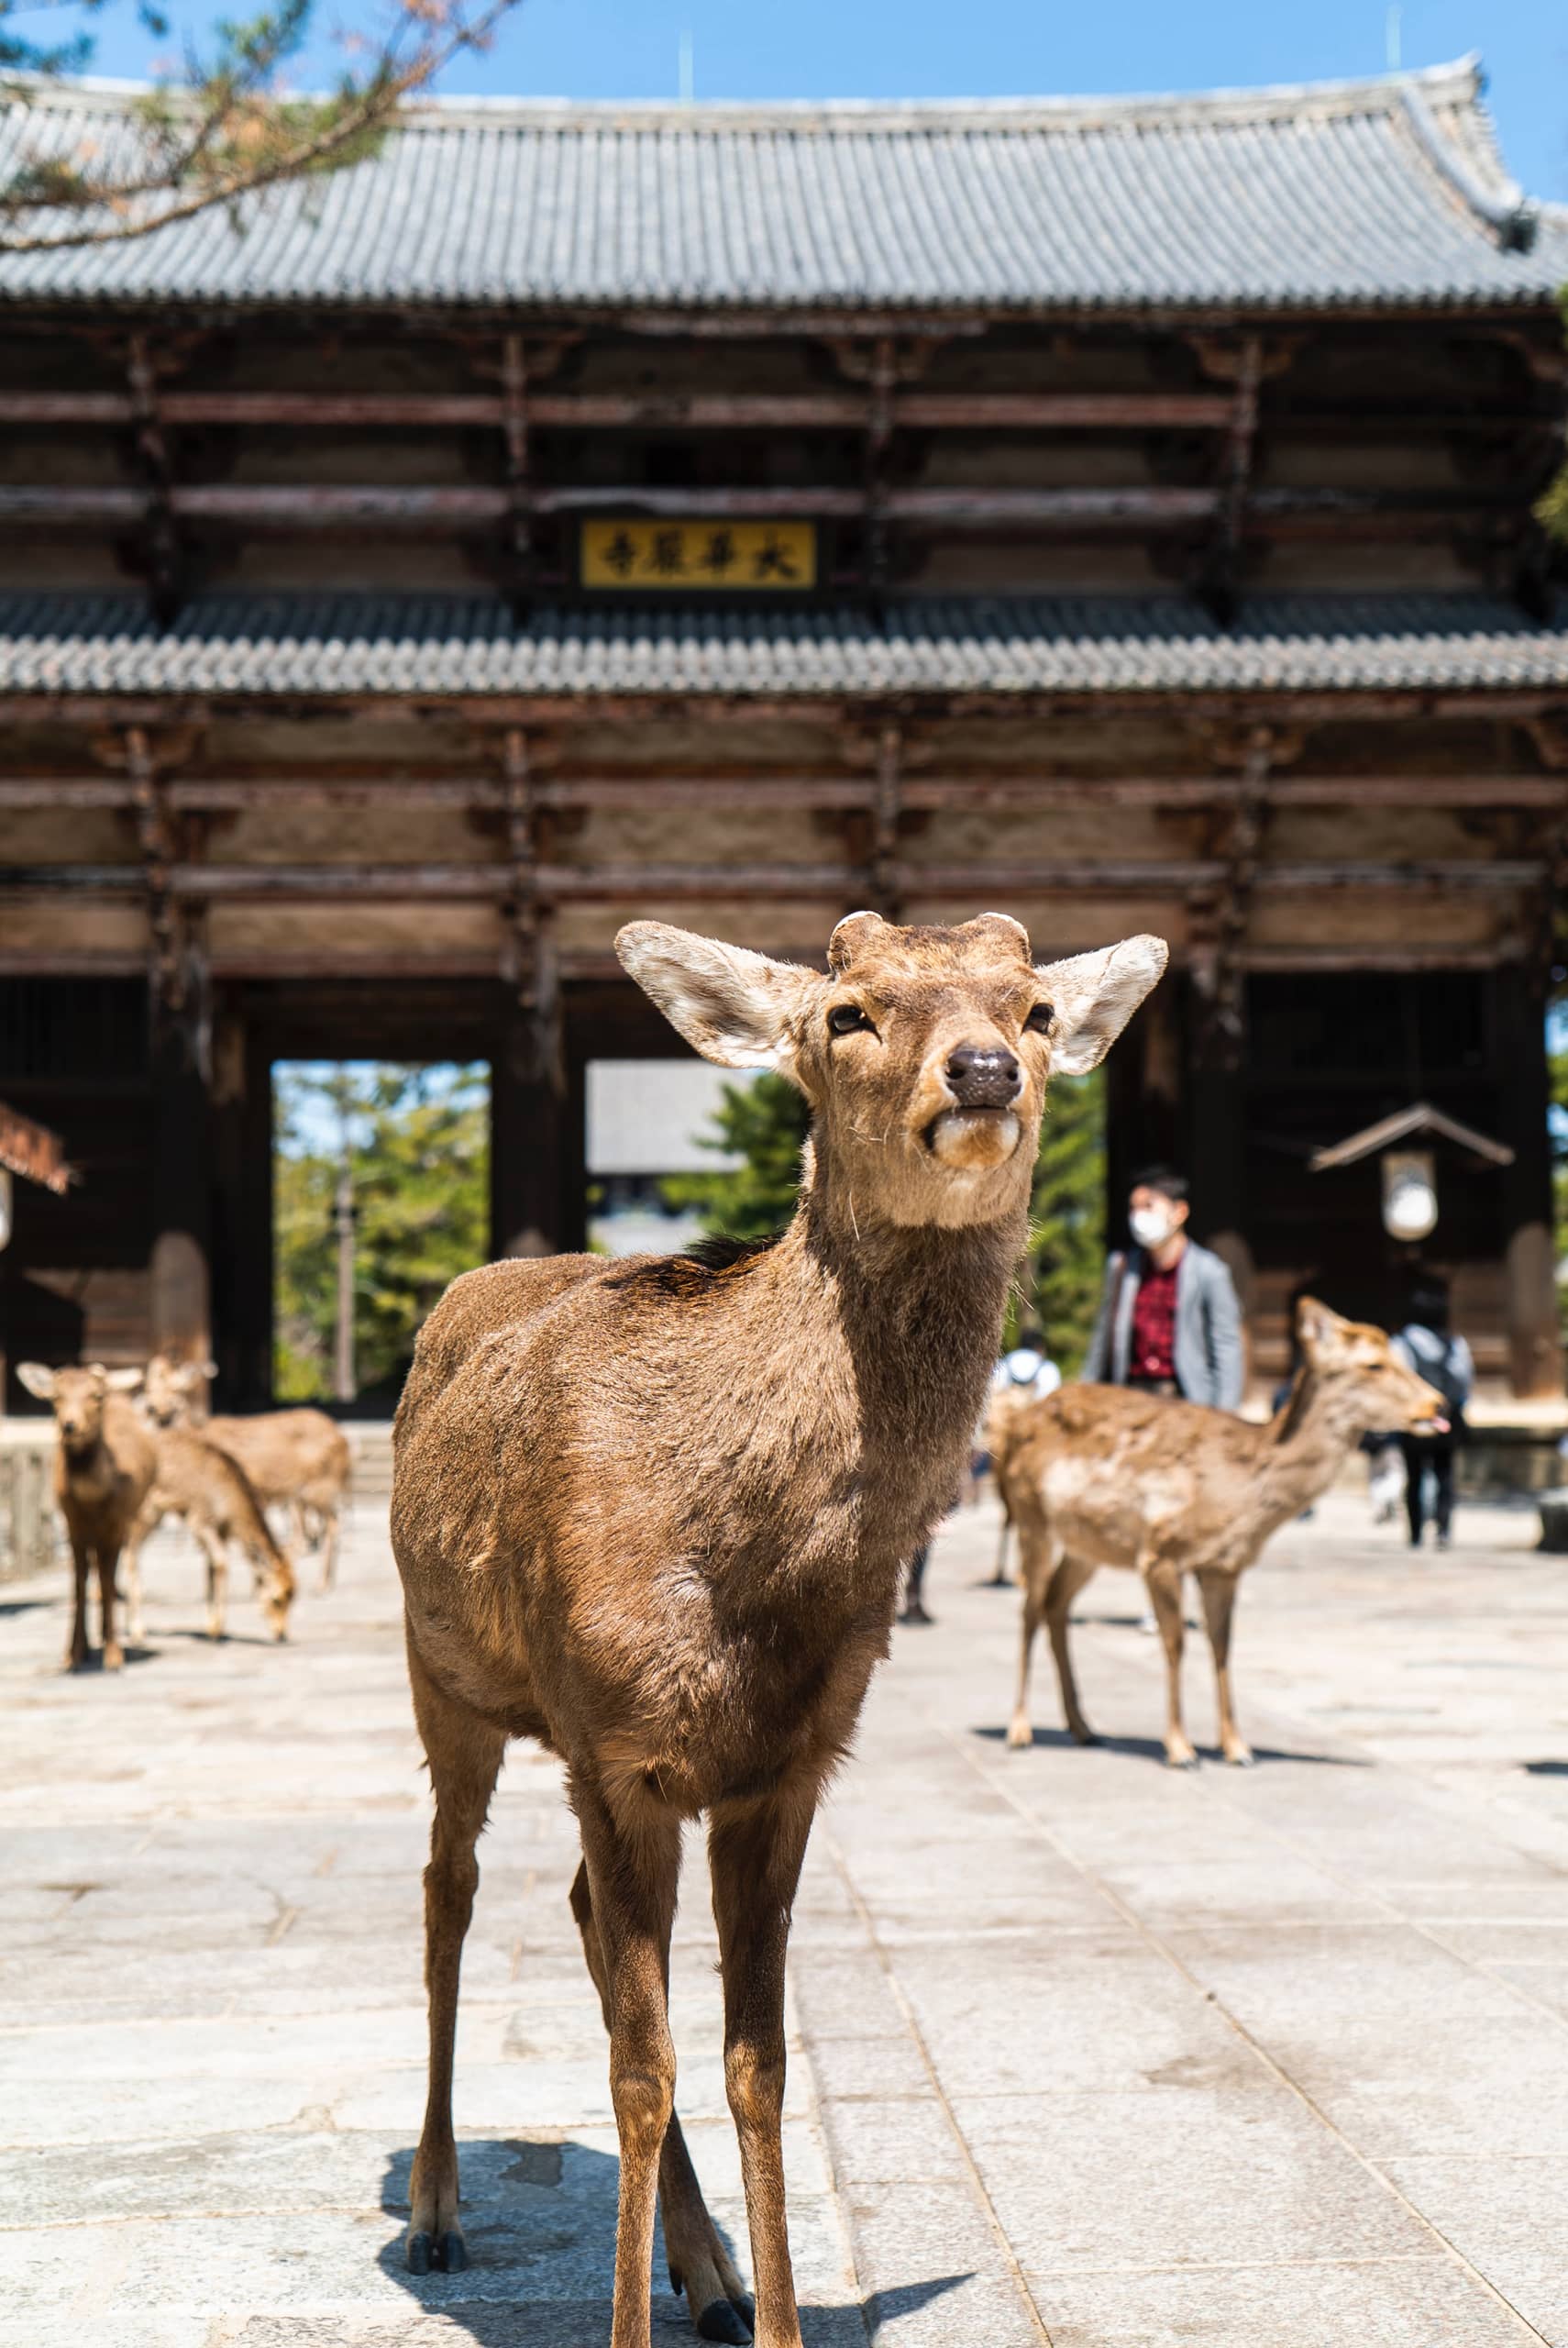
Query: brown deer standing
(1105, 1475)
(654, 1514)
(103, 1471)
(297, 1459)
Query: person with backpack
(1426, 1346)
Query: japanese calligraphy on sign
(699, 555)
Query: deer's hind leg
(215, 1551)
(754, 1852)
(130, 1561)
(1069, 1577)
(699, 2264)
(329, 1525)
(465, 1754)
(1038, 1557)
(633, 1853)
(1218, 1593)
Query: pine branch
(225, 129)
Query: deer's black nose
(983, 1076)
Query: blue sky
(787, 48)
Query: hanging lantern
(1410, 1193)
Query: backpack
(1442, 1362)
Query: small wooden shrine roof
(1386, 194)
(32, 1151)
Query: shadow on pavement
(1149, 1748)
(539, 2219)
(1546, 1768)
(22, 1605)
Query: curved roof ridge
(1473, 169)
(1457, 84)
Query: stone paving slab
(1082, 2051)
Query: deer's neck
(885, 1338)
(1307, 1442)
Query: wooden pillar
(242, 1217)
(1529, 1288)
(180, 1261)
(1143, 1099)
(1215, 1154)
(537, 1147)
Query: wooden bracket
(179, 975)
(514, 425)
(884, 822)
(1223, 919)
(530, 960)
(1550, 736)
(159, 534)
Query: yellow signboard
(705, 554)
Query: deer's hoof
(1181, 1760)
(724, 2319)
(429, 2253)
(113, 1660)
(1241, 1758)
(1083, 1733)
(1019, 1734)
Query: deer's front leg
(82, 1567)
(1218, 1591)
(1164, 1583)
(633, 1864)
(107, 1557)
(754, 1852)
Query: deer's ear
(1094, 996)
(1319, 1328)
(191, 1373)
(123, 1382)
(37, 1378)
(733, 1006)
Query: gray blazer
(1207, 1345)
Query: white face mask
(1151, 1227)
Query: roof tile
(1384, 193)
(327, 646)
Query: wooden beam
(1313, 512)
(643, 411)
(494, 883)
(1014, 794)
(578, 964)
(784, 411)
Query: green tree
(224, 126)
(1066, 1261)
(765, 1123)
(417, 1145)
(762, 1123)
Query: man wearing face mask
(1168, 1317)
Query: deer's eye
(1042, 1018)
(845, 1018)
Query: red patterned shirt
(1153, 1325)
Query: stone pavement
(1083, 2050)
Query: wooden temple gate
(376, 637)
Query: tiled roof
(450, 646)
(1384, 192)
